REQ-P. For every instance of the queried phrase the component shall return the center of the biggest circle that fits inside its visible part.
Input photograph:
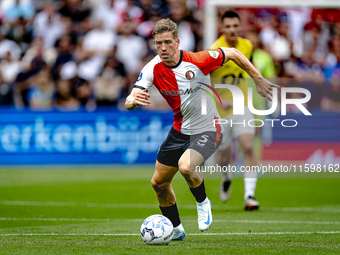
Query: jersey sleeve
(145, 79)
(206, 61)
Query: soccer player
(179, 77)
(231, 73)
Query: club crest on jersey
(214, 54)
(190, 75)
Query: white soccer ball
(157, 229)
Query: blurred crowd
(69, 54)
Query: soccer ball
(157, 229)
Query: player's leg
(224, 159)
(187, 166)
(166, 167)
(161, 183)
(201, 147)
(250, 177)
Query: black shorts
(176, 144)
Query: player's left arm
(263, 86)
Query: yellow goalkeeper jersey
(230, 73)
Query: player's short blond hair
(165, 25)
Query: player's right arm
(137, 97)
(139, 94)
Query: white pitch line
(107, 205)
(282, 222)
(59, 219)
(267, 233)
(113, 205)
(303, 209)
(193, 234)
(140, 220)
(70, 234)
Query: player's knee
(158, 186)
(248, 150)
(184, 169)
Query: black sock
(171, 212)
(199, 193)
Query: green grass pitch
(100, 211)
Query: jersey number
(235, 81)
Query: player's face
(166, 46)
(231, 28)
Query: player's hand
(142, 98)
(226, 104)
(265, 87)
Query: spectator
(32, 63)
(266, 22)
(74, 10)
(311, 77)
(21, 33)
(180, 14)
(40, 93)
(14, 12)
(6, 93)
(280, 46)
(61, 38)
(47, 24)
(130, 47)
(317, 35)
(64, 97)
(64, 49)
(99, 42)
(9, 68)
(110, 11)
(83, 93)
(38, 54)
(108, 86)
(9, 46)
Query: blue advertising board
(104, 136)
(108, 136)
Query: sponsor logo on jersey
(214, 54)
(140, 77)
(190, 75)
(180, 91)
